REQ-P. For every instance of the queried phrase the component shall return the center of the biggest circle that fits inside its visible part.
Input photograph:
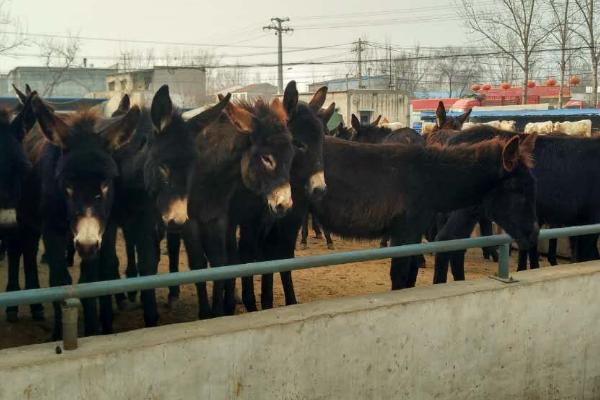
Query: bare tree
(13, 33)
(410, 70)
(589, 33)
(562, 36)
(59, 56)
(457, 71)
(515, 22)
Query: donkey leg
(196, 260)
(384, 241)
(248, 252)
(30, 240)
(328, 239)
(304, 235)
(13, 247)
(109, 269)
(266, 294)
(485, 226)
(55, 243)
(316, 226)
(534, 257)
(173, 247)
(457, 263)
(130, 247)
(89, 273)
(147, 245)
(233, 258)
(214, 236)
(440, 273)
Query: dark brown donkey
(374, 190)
(251, 147)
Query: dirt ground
(310, 284)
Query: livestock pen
(439, 341)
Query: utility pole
(390, 65)
(359, 49)
(276, 25)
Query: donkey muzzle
(177, 212)
(8, 217)
(316, 185)
(87, 236)
(280, 199)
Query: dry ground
(310, 284)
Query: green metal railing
(95, 289)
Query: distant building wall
(368, 104)
(59, 82)
(339, 85)
(187, 85)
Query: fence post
(69, 323)
(503, 274)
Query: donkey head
(266, 161)
(172, 154)
(308, 130)
(512, 202)
(371, 133)
(85, 170)
(14, 164)
(442, 121)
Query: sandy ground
(311, 284)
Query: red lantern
(551, 82)
(530, 84)
(505, 85)
(575, 80)
(475, 87)
(487, 86)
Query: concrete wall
(534, 339)
(391, 104)
(72, 82)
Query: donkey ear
(23, 121)
(440, 115)
(510, 154)
(22, 96)
(53, 127)
(28, 90)
(318, 99)
(526, 147)
(279, 110)
(462, 118)
(355, 122)
(206, 117)
(242, 119)
(124, 104)
(161, 109)
(119, 130)
(376, 122)
(327, 113)
(290, 97)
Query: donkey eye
(300, 145)
(164, 171)
(69, 190)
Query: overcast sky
(239, 23)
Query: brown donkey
(374, 190)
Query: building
(57, 82)
(187, 85)
(264, 91)
(352, 83)
(368, 104)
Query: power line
(276, 25)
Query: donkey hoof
(319, 236)
(330, 246)
(303, 246)
(132, 296)
(12, 316)
(38, 315)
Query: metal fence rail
(45, 295)
(95, 289)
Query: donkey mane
(4, 116)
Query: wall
(534, 339)
(391, 104)
(73, 82)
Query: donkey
(375, 190)
(248, 148)
(77, 174)
(560, 161)
(445, 126)
(373, 133)
(273, 239)
(342, 132)
(17, 189)
(153, 186)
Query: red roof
(466, 104)
(431, 104)
(541, 91)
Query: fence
(95, 289)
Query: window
(111, 86)
(365, 117)
(124, 84)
